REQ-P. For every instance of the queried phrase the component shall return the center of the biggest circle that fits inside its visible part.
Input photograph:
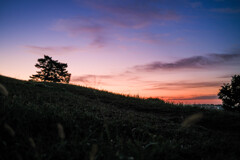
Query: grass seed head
(3, 90)
(60, 131)
(189, 121)
(32, 143)
(9, 129)
(93, 152)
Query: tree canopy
(51, 71)
(230, 94)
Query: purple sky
(179, 50)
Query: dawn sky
(180, 51)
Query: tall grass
(60, 121)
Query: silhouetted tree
(230, 94)
(51, 71)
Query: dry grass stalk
(3, 90)
(189, 121)
(93, 152)
(60, 131)
(32, 143)
(9, 129)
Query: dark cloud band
(195, 62)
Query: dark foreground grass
(60, 121)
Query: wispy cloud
(195, 62)
(93, 80)
(79, 25)
(226, 10)
(183, 85)
(100, 31)
(85, 78)
(146, 37)
(87, 27)
(119, 16)
(226, 76)
(107, 79)
(51, 50)
(204, 97)
(133, 14)
(99, 42)
(196, 4)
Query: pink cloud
(107, 79)
(85, 78)
(119, 16)
(101, 31)
(85, 27)
(184, 85)
(92, 80)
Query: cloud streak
(86, 27)
(204, 97)
(147, 37)
(107, 79)
(79, 25)
(85, 78)
(119, 16)
(184, 85)
(195, 62)
(133, 14)
(93, 80)
(53, 50)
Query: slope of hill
(60, 121)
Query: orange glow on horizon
(186, 96)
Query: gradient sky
(181, 50)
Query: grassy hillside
(60, 121)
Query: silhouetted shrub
(51, 71)
(230, 94)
